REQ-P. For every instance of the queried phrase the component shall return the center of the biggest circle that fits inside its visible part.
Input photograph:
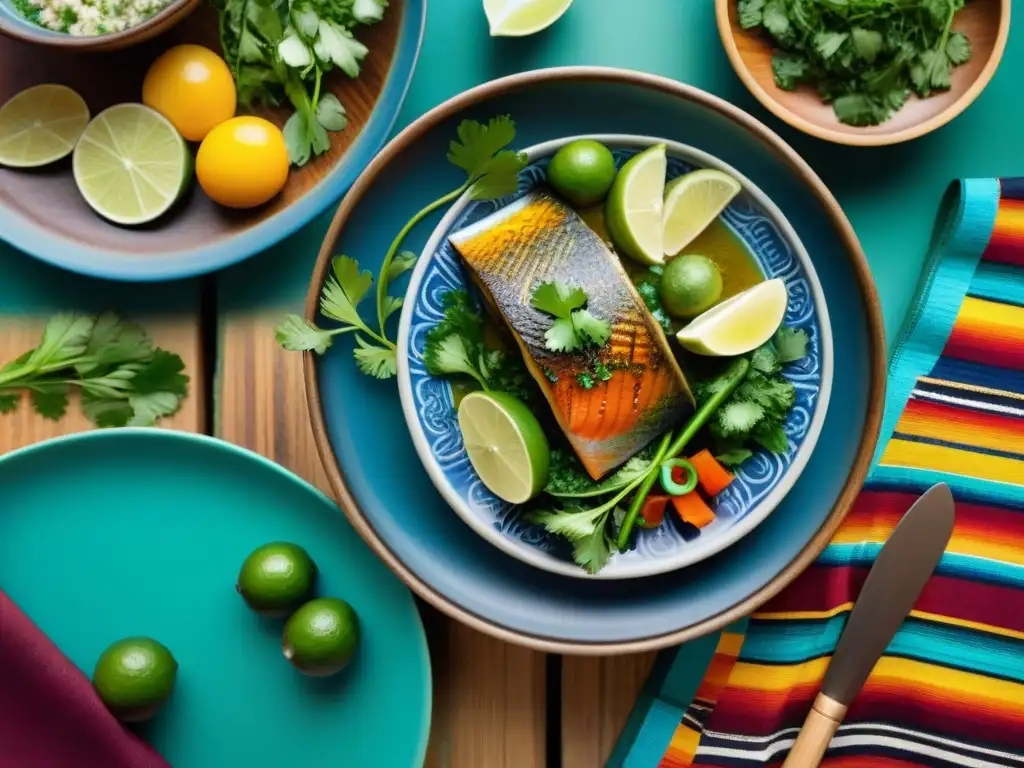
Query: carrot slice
(653, 511)
(713, 477)
(693, 509)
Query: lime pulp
(739, 324)
(692, 202)
(506, 445)
(41, 125)
(633, 211)
(517, 18)
(131, 165)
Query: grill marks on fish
(539, 239)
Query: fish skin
(539, 239)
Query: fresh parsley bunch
(123, 379)
(282, 49)
(863, 56)
(491, 171)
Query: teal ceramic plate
(117, 533)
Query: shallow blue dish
(761, 482)
(105, 535)
(196, 236)
(372, 463)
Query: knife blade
(903, 566)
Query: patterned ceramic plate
(761, 482)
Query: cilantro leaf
(162, 373)
(344, 290)
(65, 337)
(114, 341)
(867, 43)
(391, 305)
(765, 359)
(958, 48)
(401, 264)
(790, 344)
(330, 113)
(477, 144)
(561, 336)
(774, 394)
(8, 401)
(585, 379)
(828, 43)
(379, 362)
(592, 552)
(790, 71)
(769, 434)
(567, 479)
(147, 408)
(590, 329)
(558, 299)
(734, 457)
(106, 413)
(297, 335)
(751, 13)
(737, 417)
(50, 400)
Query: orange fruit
(192, 87)
(243, 162)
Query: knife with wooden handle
(903, 566)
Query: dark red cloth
(50, 716)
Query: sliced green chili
(672, 488)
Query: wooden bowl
(42, 212)
(13, 25)
(985, 22)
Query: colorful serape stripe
(949, 690)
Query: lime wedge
(506, 445)
(518, 18)
(739, 324)
(131, 165)
(41, 125)
(634, 207)
(693, 201)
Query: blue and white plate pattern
(761, 482)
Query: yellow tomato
(243, 163)
(192, 87)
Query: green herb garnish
(865, 57)
(492, 171)
(281, 50)
(123, 379)
(574, 327)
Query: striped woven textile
(949, 690)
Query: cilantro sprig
(574, 328)
(122, 378)
(281, 50)
(491, 171)
(865, 57)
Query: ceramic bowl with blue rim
(761, 482)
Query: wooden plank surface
(597, 696)
(489, 697)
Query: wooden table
(495, 705)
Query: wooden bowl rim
(725, 31)
(175, 11)
(876, 331)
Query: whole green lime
(582, 172)
(134, 677)
(277, 578)
(690, 285)
(321, 637)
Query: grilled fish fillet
(539, 239)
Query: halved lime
(41, 125)
(131, 165)
(517, 18)
(506, 445)
(635, 204)
(739, 324)
(693, 201)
